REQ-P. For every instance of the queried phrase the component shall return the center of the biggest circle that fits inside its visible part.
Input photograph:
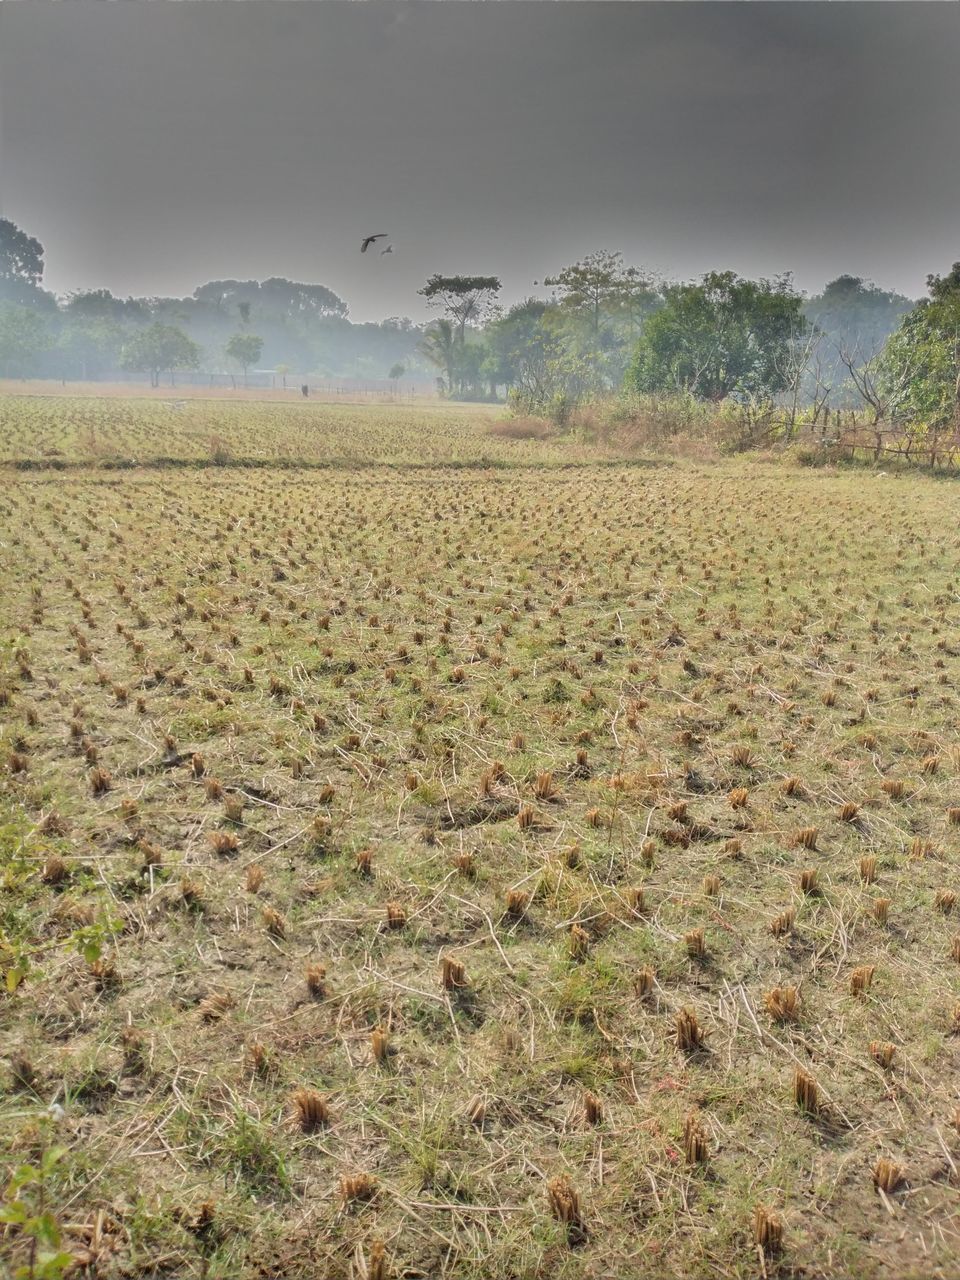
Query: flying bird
(388, 249)
(368, 241)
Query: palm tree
(439, 345)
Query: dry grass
(295, 956)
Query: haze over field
(152, 147)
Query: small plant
(452, 974)
(254, 878)
(881, 910)
(24, 1212)
(868, 869)
(635, 899)
(55, 870)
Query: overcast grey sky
(153, 146)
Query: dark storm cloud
(153, 146)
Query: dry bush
(522, 428)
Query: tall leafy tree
(465, 299)
(246, 349)
(921, 362)
(161, 348)
(21, 263)
(439, 347)
(724, 336)
(599, 288)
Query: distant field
(476, 873)
(56, 431)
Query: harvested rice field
(519, 864)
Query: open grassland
(494, 872)
(53, 431)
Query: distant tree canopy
(89, 347)
(856, 313)
(161, 348)
(21, 261)
(275, 297)
(724, 336)
(24, 337)
(100, 304)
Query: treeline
(869, 368)
(225, 326)
(611, 328)
(760, 348)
